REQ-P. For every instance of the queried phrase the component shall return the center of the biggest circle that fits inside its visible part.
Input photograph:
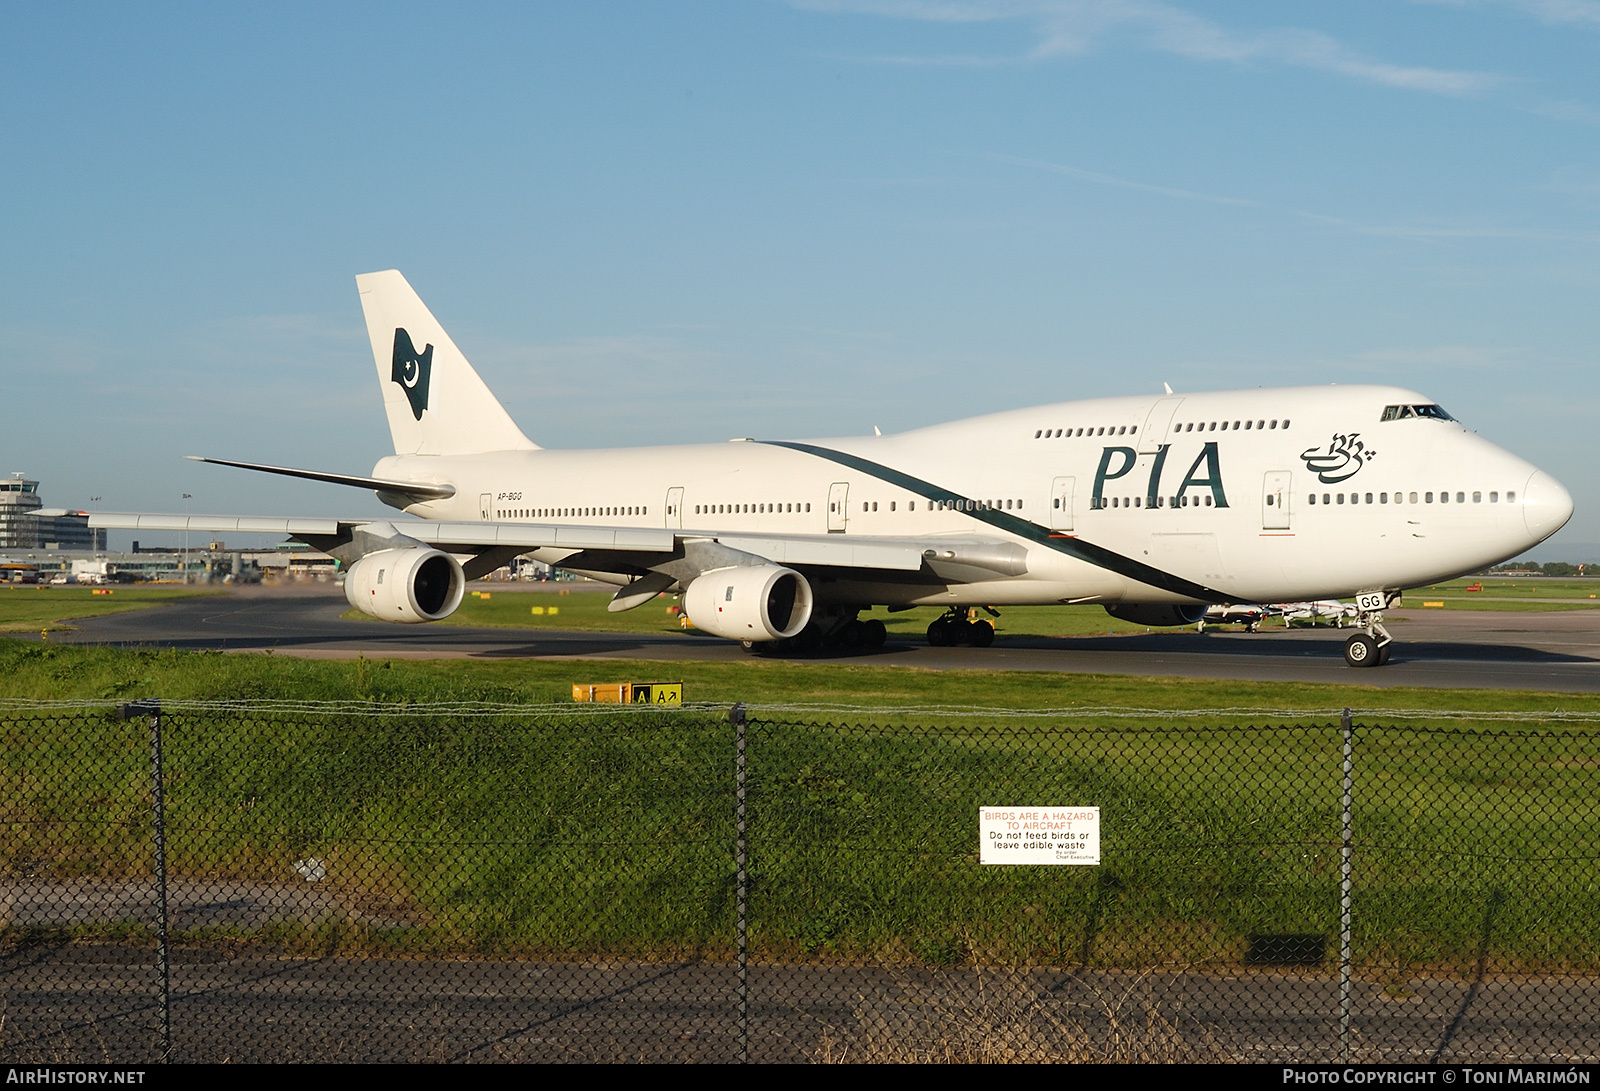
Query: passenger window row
(1184, 501)
(1408, 498)
(1205, 499)
(1186, 426)
(750, 509)
(949, 505)
(1108, 430)
(1223, 426)
(570, 513)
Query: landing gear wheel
(1383, 655)
(873, 633)
(940, 634)
(1361, 651)
(750, 647)
(980, 634)
(809, 639)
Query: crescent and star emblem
(411, 370)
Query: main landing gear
(843, 631)
(957, 626)
(1371, 647)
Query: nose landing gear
(1369, 648)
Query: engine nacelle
(1149, 613)
(408, 584)
(754, 602)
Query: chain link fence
(268, 882)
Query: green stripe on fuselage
(1098, 556)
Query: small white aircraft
(1322, 610)
(1154, 507)
(1249, 615)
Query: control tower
(25, 523)
(19, 500)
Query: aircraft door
(674, 514)
(1156, 425)
(486, 506)
(1061, 503)
(838, 499)
(1275, 501)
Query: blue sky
(671, 223)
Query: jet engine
(1149, 613)
(750, 602)
(410, 584)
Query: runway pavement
(96, 1002)
(1558, 651)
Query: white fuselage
(1254, 496)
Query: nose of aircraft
(1546, 505)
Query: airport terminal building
(26, 524)
(57, 545)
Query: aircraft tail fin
(436, 403)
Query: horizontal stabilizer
(417, 490)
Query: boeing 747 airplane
(1154, 507)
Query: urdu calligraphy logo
(411, 370)
(1343, 458)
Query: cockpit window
(1400, 412)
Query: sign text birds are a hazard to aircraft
(1039, 835)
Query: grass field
(611, 836)
(31, 670)
(1530, 593)
(31, 609)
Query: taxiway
(1556, 651)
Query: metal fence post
(1345, 854)
(736, 715)
(158, 811)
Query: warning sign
(1039, 835)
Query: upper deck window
(1401, 412)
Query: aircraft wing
(212, 524)
(837, 551)
(450, 537)
(411, 490)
